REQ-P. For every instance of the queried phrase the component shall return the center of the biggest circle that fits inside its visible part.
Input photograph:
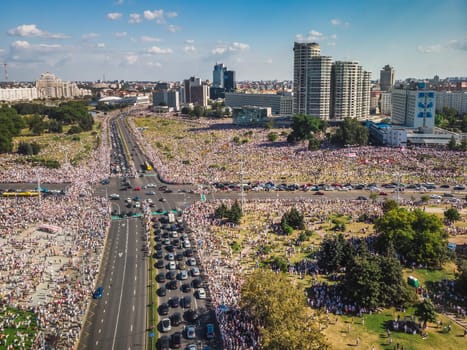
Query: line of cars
(181, 289)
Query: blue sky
(175, 39)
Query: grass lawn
(19, 319)
(373, 333)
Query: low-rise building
(251, 115)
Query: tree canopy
(417, 237)
(304, 126)
(350, 132)
(280, 313)
(10, 125)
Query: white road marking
(99, 331)
(135, 278)
(133, 308)
(134, 291)
(131, 328)
(102, 320)
(122, 288)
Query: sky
(171, 40)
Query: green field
(16, 321)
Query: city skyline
(173, 40)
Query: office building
(350, 91)
(414, 107)
(386, 78)
(230, 83)
(279, 104)
(168, 98)
(218, 75)
(200, 95)
(251, 115)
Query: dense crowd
(218, 159)
(52, 273)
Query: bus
(21, 194)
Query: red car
(319, 193)
(383, 194)
(137, 188)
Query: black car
(158, 254)
(160, 264)
(176, 319)
(185, 302)
(163, 309)
(163, 343)
(174, 302)
(170, 248)
(179, 257)
(173, 285)
(176, 340)
(191, 315)
(186, 288)
(189, 253)
(158, 246)
(162, 291)
(197, 283)
(444, 186)
(160, 277)
(171, 275)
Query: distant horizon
(173, 40)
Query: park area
(215, 150)
(258, 242)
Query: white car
(435, 196)
(166, 325)
(195, 272)
(172, 265)
(183, 275)
(114, 196)
(186, 244)
(201, 293)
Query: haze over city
(170, 40)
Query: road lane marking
(134, 291)
(133, 308)
(123, 285)
(135, 278)
(99, 331)
(131, 328)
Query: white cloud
(219, 50)
(189, 48)
(268, 61)
(149, 39)
(31, 30)
(20, 44)
(114, 16)
(89, 36)
(100, 45)
(189, 41)
(120, 34)
(49, 46)
(135, 18)
(238, 47)
(172, 28)
(157, 50)
(172, 14)
(315, 33)
(119, 2)
(339, 23)
(131, 59)
(158, 15)
(333, 36)
(429, 48)
(457, 44)
(332, 43)
(153, 64)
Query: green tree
(235, 213)
(452, 145)
(278, 309)
(350, 132)
(303, 126)
(334, 253)
(272, 136)
(461, 275)
(362, 282)
(389, 204)
(293, 218)
(416, 236)
(198, 111)
(55, 126)
(75, 129)
(393, 289)
(25, 148)
(221, 211)
(451, 215)
(425, 310)
(36, 148)
(313, 143)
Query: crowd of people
(52, 273)
(203, 151)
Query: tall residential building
(218, 75)
(414, 107)
(350, 91)
(167, 97)
(319, 87)
(385, 103)
(230, 83)
(187, 85)
(386, 78)
(199, 95)
(303, 52)
(452, 99)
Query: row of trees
(448, 118)
(306, 128)
(10, 126)
(29, 149)
(278, 310)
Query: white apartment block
(280, 105)
(18, 94)
(456, 100)
(386, 105)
